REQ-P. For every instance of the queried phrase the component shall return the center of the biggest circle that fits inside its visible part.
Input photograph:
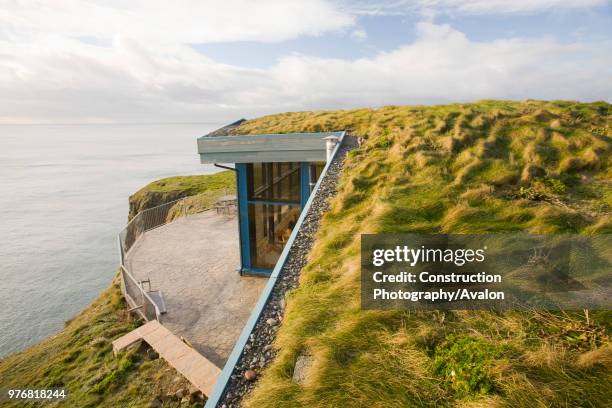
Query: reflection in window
(274, 181)
(316, 169)
(269, 230)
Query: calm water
(63, 197)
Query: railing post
(147, 219)
(120, 246)
(122, 275)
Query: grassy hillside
(487, 167)
(542, 167)
(208, 188)
(80, 356)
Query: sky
(153, 61)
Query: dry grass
(409, 176)
(455, 169)
(80, 359)
(207, 187)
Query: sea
(63, 198)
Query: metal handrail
(142, 222)
(133, 303)
(149, 219)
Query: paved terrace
(193, 261)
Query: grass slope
(203, 191)
(80, 356)
(542, 167)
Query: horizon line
(109, 123)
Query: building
(179, 275)
(275, 174)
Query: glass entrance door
(269, 228)
(274, 197)
(271, 198)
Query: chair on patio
(226, 205)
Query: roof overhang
(281, 147)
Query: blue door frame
(243, 213)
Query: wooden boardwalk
(187, 361)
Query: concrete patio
(194, 262)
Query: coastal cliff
(79, 357)
(486, 167)
(207, 188)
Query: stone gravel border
(258, 351)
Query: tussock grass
(207, 187)
(80, 359)
(542, 167)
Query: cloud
(443, 65)
(66, 80)
(111, 60)
(466, 7)
(180, 21)
(359, 34)
(81, 73)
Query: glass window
(274, 182)
(316, 169)
(269, 228)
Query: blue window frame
(270, 199)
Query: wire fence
(141, 300)
(147, 220)
(136, 295)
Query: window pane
(274, 181)
(269, 228)
(316, 168)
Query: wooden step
(192, 365)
